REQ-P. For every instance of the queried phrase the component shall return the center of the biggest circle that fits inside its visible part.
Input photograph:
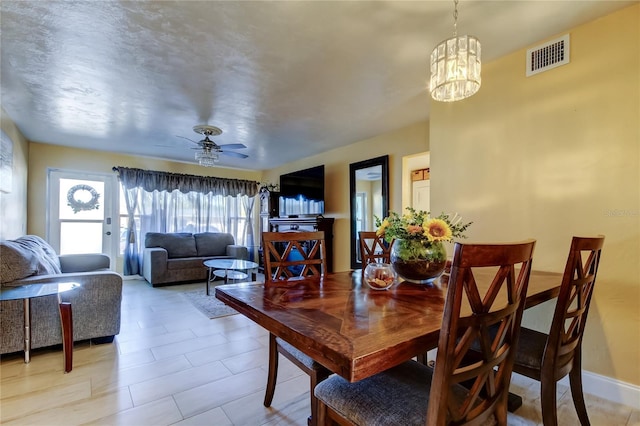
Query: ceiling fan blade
(232, 146)
(234, 154)
(190, 140)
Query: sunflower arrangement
(420, 232)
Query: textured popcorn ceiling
(287, 79)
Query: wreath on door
(77, 204)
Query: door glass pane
(81, 199)
(80, 237)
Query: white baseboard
(609, 389)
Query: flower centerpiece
(418, 254)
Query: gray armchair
(95, 305)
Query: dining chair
(412, 393)
(288, 256)
(373, 248)
(548, 358)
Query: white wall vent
(550, 55)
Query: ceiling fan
(208, 151)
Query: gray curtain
(171, 202)
(150, 181)
(248, 204)
(131, 257)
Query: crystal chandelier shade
(455, 66)
(207, 157)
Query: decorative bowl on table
(379, 276)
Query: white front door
(80, 213)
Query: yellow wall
(552, 156)
(406, 141)
(13, 204)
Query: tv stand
(319, 223)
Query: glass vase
(418, 260)
(379, 276)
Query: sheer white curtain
(168, 202)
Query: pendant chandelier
(455, 66)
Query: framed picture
(6, 162)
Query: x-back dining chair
(373, 248)
(550, 357)
(414, 394)
(287, 256)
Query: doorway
(80, 212)
(416, 194)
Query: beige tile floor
(171, 365)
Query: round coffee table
(31, 291)
(228, 269)
(230, 275)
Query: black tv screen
(302, 192)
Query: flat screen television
(302, 192)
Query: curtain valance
(151, 180)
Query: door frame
(110, 242)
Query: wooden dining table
(351, 329)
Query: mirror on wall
(369, 192)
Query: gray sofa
(171, 258)
(95, 305)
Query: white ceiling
(288, 79)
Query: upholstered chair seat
(303, 359)
(531, 348)
(399, 398)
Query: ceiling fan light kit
(208, 153)
(207, 158)
(455, 66)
